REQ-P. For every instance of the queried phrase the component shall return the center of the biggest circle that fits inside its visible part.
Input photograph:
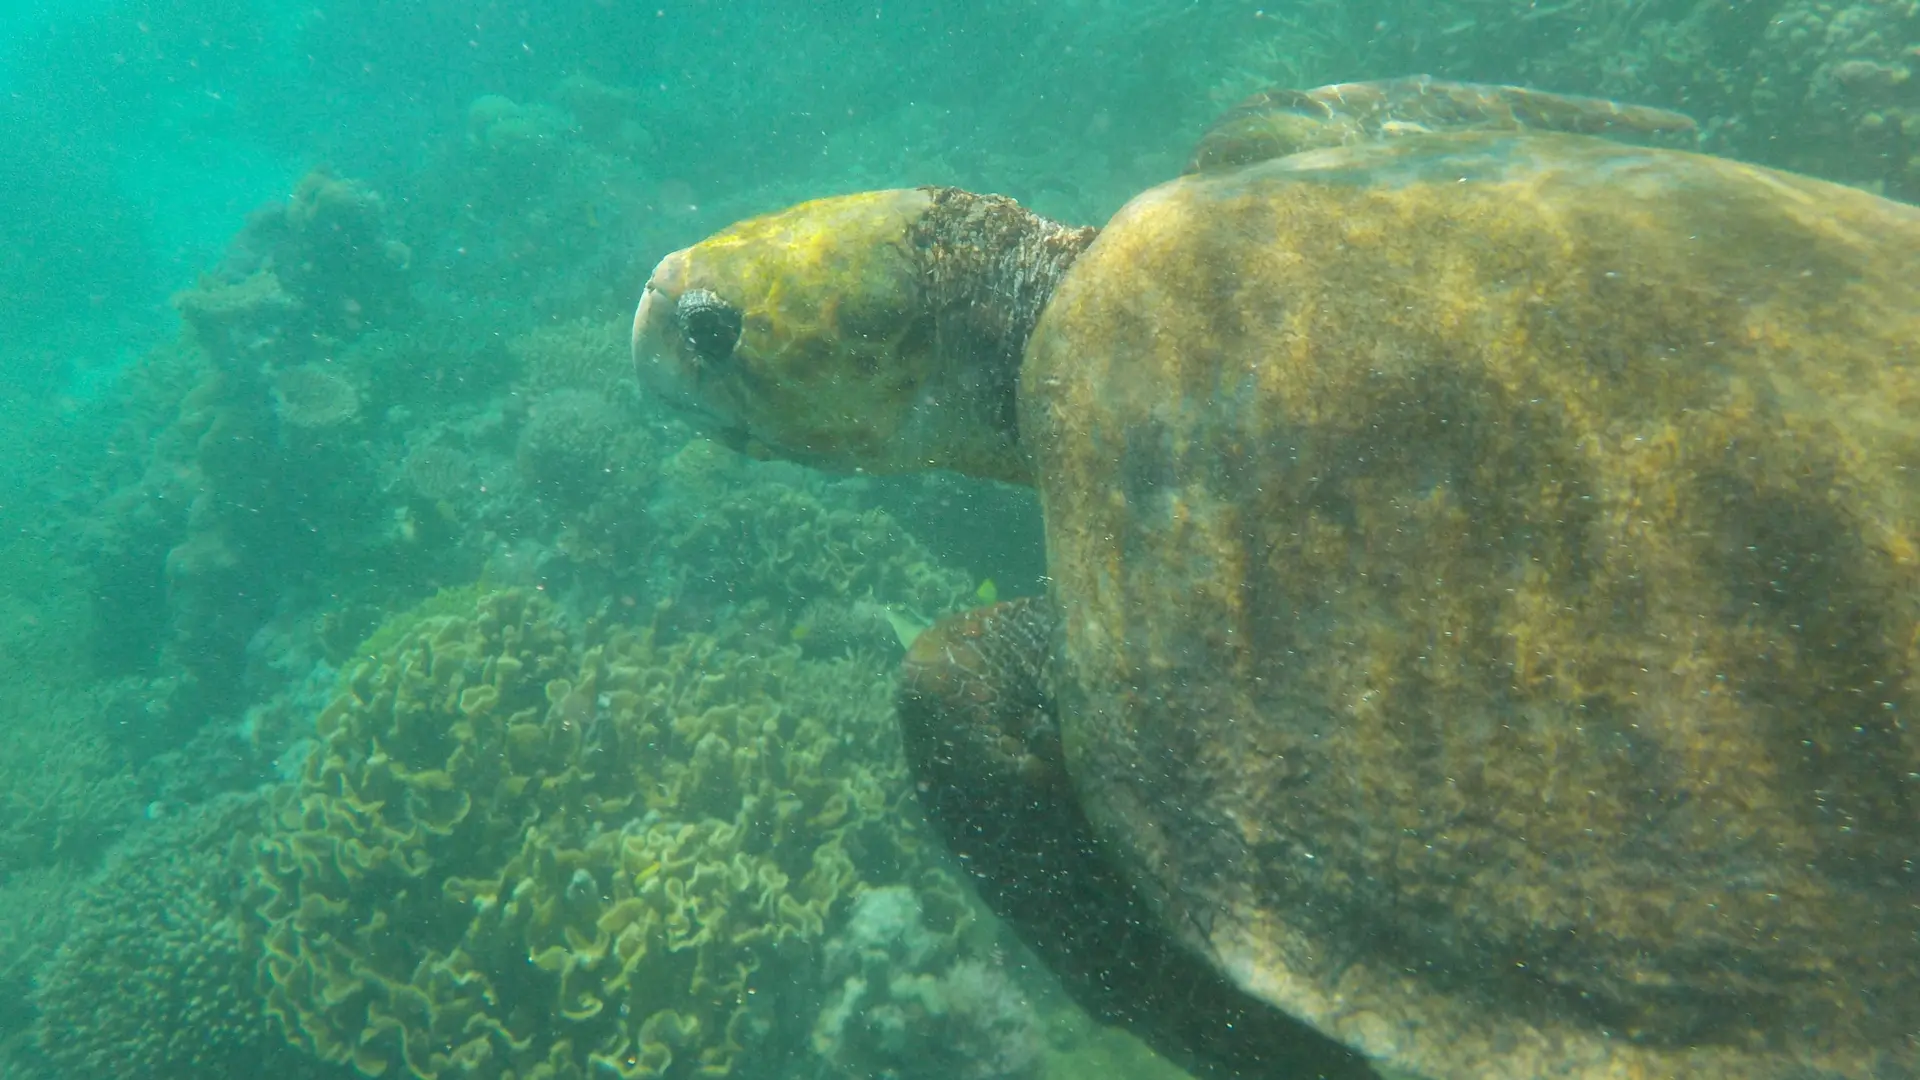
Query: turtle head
(872, 332)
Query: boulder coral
(524, 851)
(590, 470)
(312, 396)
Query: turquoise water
(391, 684)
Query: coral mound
(570, 449)
(523, 851)
(310, 396)
(908, 1008)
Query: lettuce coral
(523, 851)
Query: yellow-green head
(874, 332)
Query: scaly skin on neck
(989, 267)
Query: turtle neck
(989, 267)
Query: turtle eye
(710, 324)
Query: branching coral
(524, 852)
(35, 913)
(156, 979)
(66, 788)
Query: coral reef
(521, 140)
(350, 420)
(588, 447)
(155, 980)
(35, 914)
(137, 499)
(590, 469)
(540, 208)
(264, 469)
(909, 1007)
(579, 354)
(329, 248)
(313, 396)
(605, 112)
(784, 548)
(438, 472)
(304, 274)
(521, 850)
(67, 791)
(1822, 87)
(571, 448)
(1840, 95)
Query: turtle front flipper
(1277, 122)
(977, 716)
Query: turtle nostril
(711, 325)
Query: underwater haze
(393, 684)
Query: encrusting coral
(522, 851)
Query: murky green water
(392, 684)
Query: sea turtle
(1277, 122)
(1483, 632)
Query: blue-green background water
(205, 522)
